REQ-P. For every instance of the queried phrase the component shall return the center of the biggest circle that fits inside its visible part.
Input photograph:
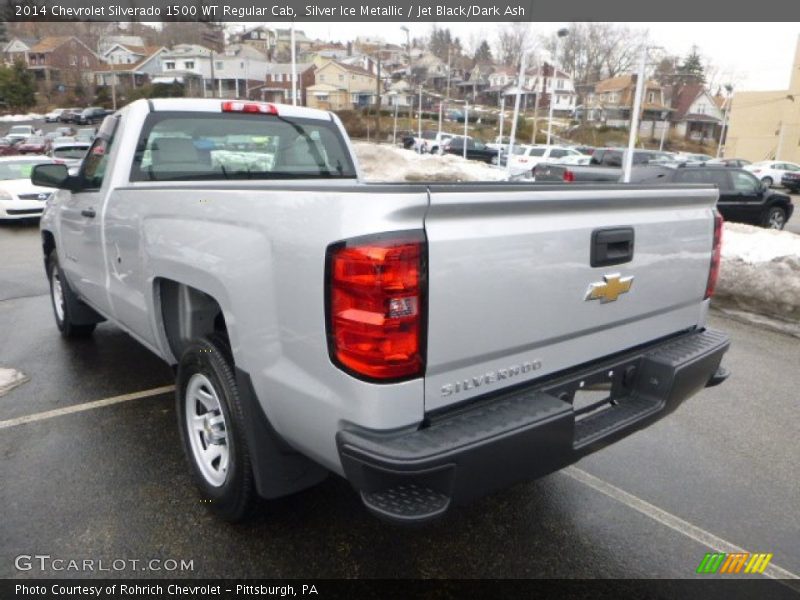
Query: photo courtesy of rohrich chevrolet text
(405, 300)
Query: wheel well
(48, 244)
(188, 314)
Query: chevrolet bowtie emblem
(610, 289)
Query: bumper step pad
(407, 501)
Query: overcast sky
(756, 56)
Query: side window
(612, 159)
(96, 161)
(744, 182)
(557, 153)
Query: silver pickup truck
(430, 343)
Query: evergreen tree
(691, 70)
(17, 88)
(483, 53)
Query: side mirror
(53, 176)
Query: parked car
(730, 162)
(8, 146)
(771, 172)
(791, 181)
(22, 132)
(70, 153)
(416, 348)
(86, 133)
(65, 130)
(70, 115)
(476, 150)
(34, 145)
(525, 157)
(54, 115)
(742, 197)
(19, 198)
(691, 157)
(91, 115)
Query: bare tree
(512, 39)
(594, 51)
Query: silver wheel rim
(776, 219)
(207, 430)
(58, 295)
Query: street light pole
(294, 68)
(728, 101)
(560, 34)
(513, 135)
(664, 116)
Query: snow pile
(389, 163)
(15, 118)
(760, 272)
(9, 379)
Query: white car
(70, 153)
(22, 132)
(525, 157)
(771, 171)
(433, 141)
(19, 198)
(54, 115)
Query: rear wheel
(63, 299)
(211, 425)
(775, 217)
(767, 181)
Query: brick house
(278, 82)
(59, 63)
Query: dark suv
(91, 115)
(742, 197)
(476, 150)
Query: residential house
(62, 62)
(696, 116)
(400, 94)
(17, 50)
(475, 85)
(237, 72)
(553, 84)
(766, 125)
(264, 39)
(130, 75)
(283, 43)
(611, 104)
(107, 42)
(339, 86)
(278, 82)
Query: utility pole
(539, 82)
(728, 101)
(378, 90)
(637, 103)
(502, 115)
(394, 132)
(516, 108)
(294, 67)
(561, 33)
(466, 126)
(419, 120)
(447, 96)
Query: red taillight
(713, 272)
(375, 305)
(263, 108)
(569, 176)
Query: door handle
(611, 246)
(89, 212)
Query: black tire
(774, 218)
(234, 498)
(63, 317)
(767, 181)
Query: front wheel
(211, 425)
(775, 218)
(63, 300)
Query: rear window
(179, 146)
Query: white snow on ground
(389, 163)
(15, 118)
(760, 270)
(760, 273)
(9, 379)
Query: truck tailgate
(510, 279)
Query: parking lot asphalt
(110, 482)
